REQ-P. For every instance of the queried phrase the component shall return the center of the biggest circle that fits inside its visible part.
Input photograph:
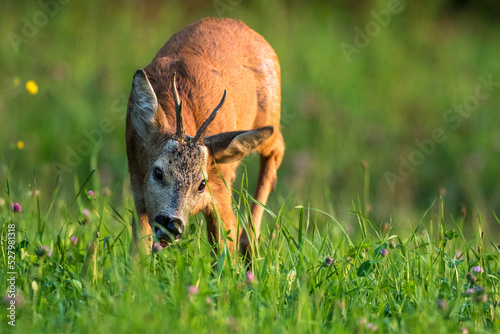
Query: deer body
(173, 155)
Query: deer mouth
(166, 231)
(163, 238)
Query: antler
(179, 135)
(200, 134)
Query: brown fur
(209, 56)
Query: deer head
(176, 176)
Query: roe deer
(178, 144)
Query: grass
(345, 125)
(311, 276)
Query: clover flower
(442, 304)
(157, 247)
(16, 207)
(250, 278)
(44, 251)
(192, 290)
(18, 299)
(471, 277)
(478, 270)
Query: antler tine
(178, 112)
(200, 134)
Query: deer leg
(223, 206)
(269, 164)
(142, 235)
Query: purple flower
(86, 212)
(74, 239)
(16, 207)
(18, 299)
(329, 261)
(157, 247)
(90, 194)
(192, 290)
(471, 277)
(477, 270)
(442, 304)
(469, 291)
(250, 278)
(384, 252)
(44, 251)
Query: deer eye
(202, 186)
(157, 174)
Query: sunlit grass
(74, 274)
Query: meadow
(385, 217)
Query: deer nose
(172, 225)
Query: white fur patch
(144, 105)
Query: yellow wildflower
(32, 87)
(20, 144)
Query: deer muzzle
(168, 228)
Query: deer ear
(233, 146)
(143, 104)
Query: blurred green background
(360, 87)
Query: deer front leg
(142, 234)
(227, 218)
(270, 161)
